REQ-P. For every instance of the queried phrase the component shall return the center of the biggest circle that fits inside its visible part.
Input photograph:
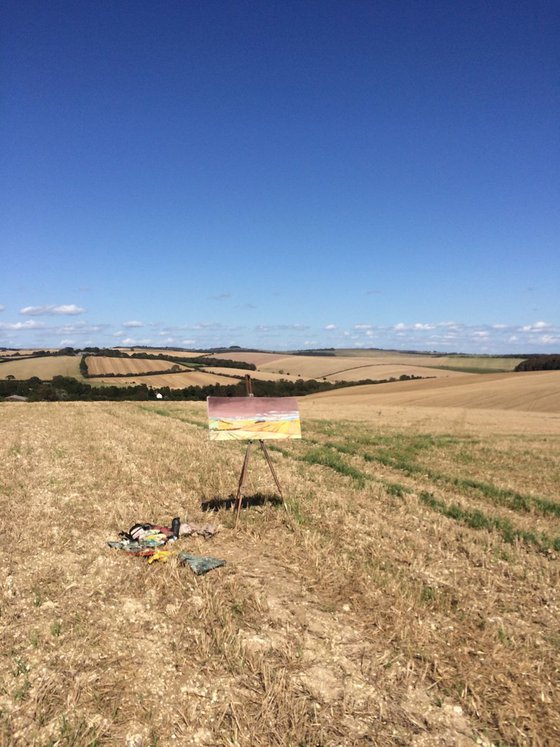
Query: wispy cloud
(133, 323)
(535, 327)
(330, 327)
(2, 307)
(30, 324)
(460, 337)
(64, 309)
(220, 297)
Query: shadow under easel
(257, 499)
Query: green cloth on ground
(199, 564)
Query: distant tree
(540, 363)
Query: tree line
(63, 388)
(540, 363)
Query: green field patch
(163, 412)
(476, 519)
(327, 457)
(401, 453)
(396, 489)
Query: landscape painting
(247, 418)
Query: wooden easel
(239, 495)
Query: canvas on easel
(253, 419)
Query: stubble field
(408, 596)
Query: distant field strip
(172, 380)
(44, 368)
(101, 366)
(242, 372)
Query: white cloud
(330, 326)
(420, 325)
(64, 309)
(536, 327)
(31, 324)
(132, 341)
(133, 323)
(80, 328)
(2, 307)
(363, 326)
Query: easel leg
(271, 466)
(239, 496)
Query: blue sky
(281, 174)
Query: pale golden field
(259, 359)
(533, 391)
(474, 362)
(100, 365)
(172, 380)
(259, 375)
(317, 366)
(349, 369)
(44, 368)
(408, 596)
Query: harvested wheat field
(45, 368)
(408, 595)
(484, 363)
(99, 365)
(259, 375)
(335, 368)
(533, 391)
(172, 380)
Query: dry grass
(369, 613)
(45, 368)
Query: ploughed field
(408, 595)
